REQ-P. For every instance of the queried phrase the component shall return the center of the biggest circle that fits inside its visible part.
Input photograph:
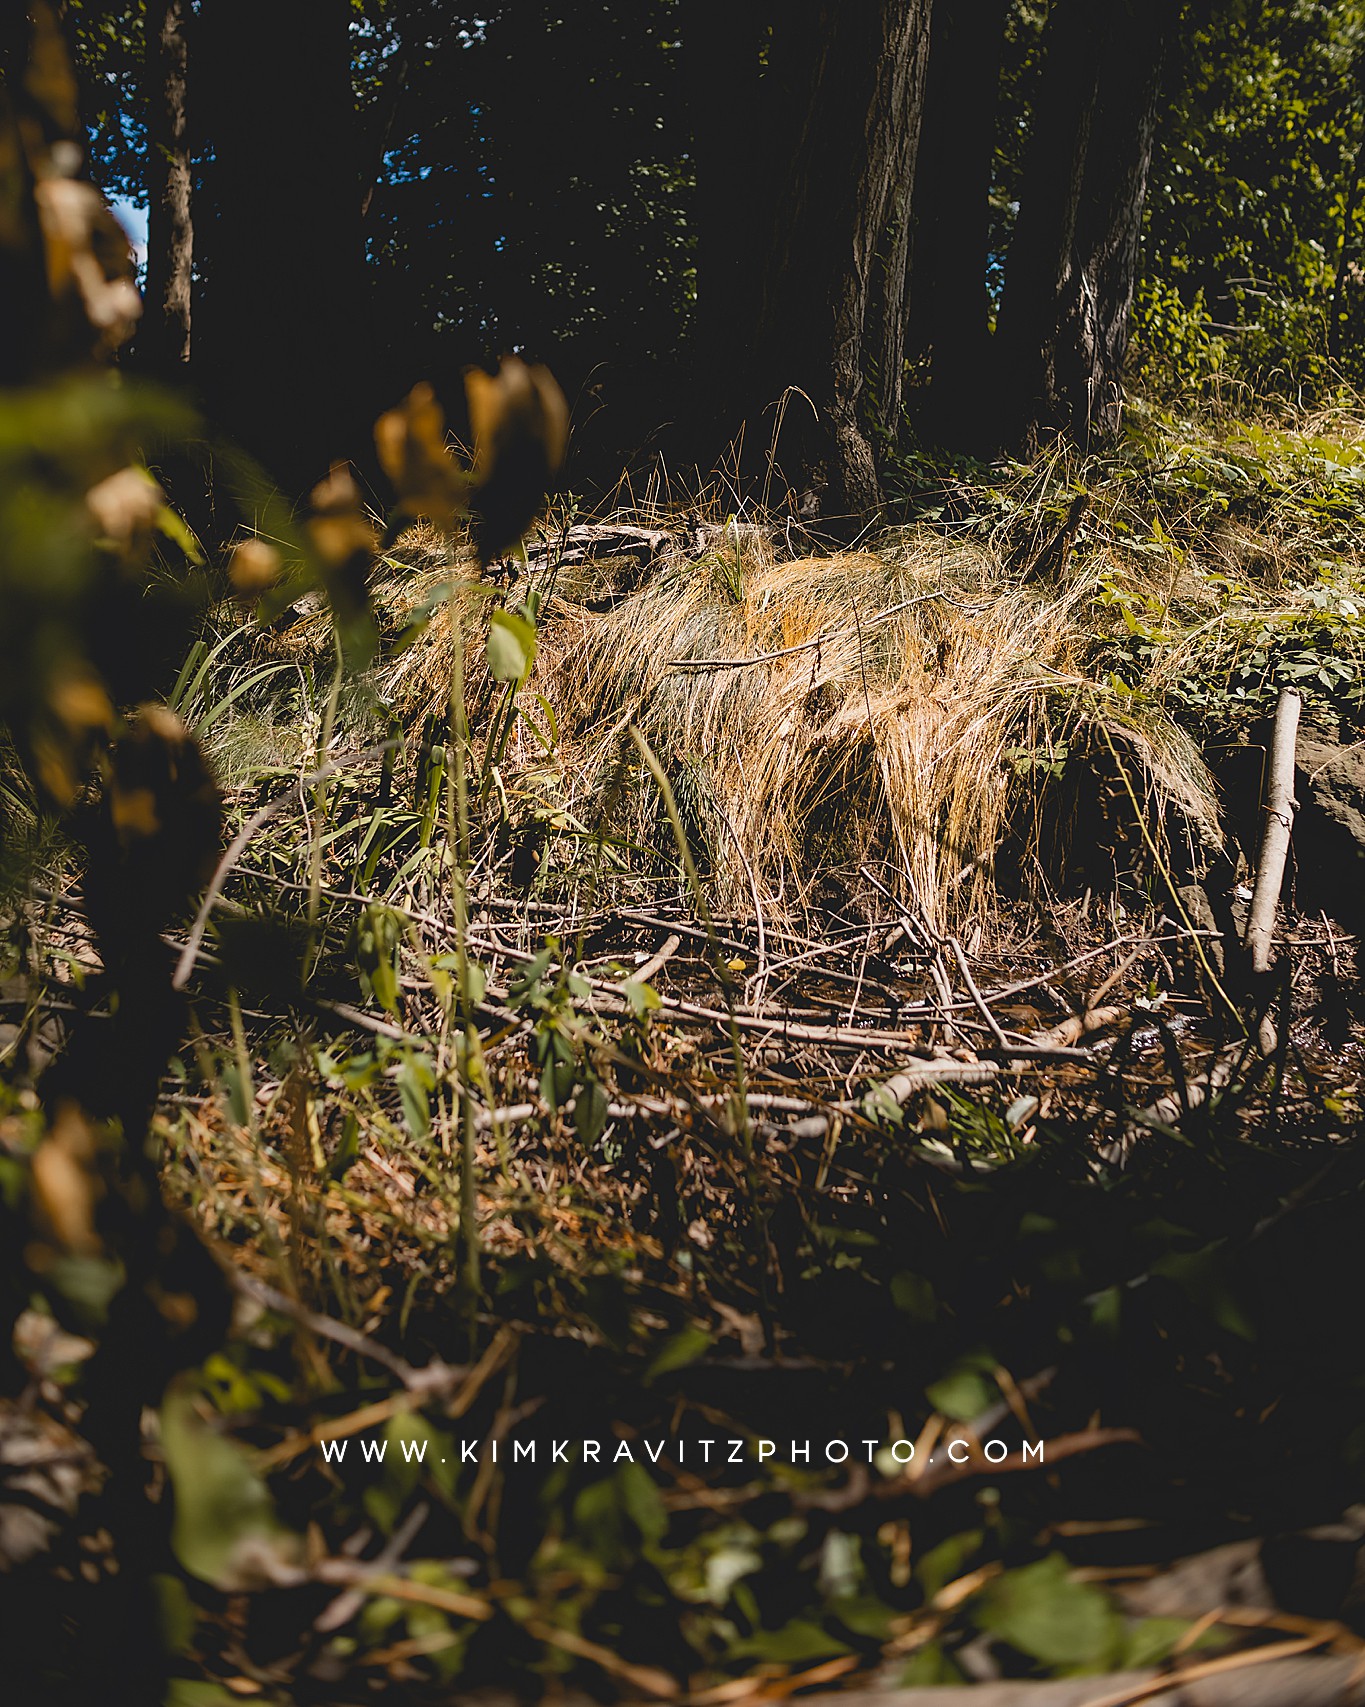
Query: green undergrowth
(1228, 549)
(1053, 1261)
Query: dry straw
(820, 712)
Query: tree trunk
(832, 306)
(949, 306)
(1073, 259)
(1350, 208)
(730, 139)
(164, 335)
(281, 335)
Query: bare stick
(656, 962)
(1279, 825)
(1279, 822)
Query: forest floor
(815, 1012)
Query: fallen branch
(1279, 826)
(1279, 823)
(1261, 1677)
(656, 962)
(1077, 1026)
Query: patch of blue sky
(398, 171)
(133, 219)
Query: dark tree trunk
(832, 304)
(163, 342)
(1347, 247)
(731, 138)
(1073, 259)
(949, 307)
(281, 333)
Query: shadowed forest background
(680, 760)
(665, 201)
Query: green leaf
(643, 1502)
(225, 1530)
(944, 1564)
(174, 1611)
(1202, 1276)
(929, 1666)
(797, 1642)
(1152, 1640)
(415, 1096)
(590, 1111)
(511, 647)
(174, 527)
(967, 1389)
(865, 1616)
(198, 1692)
(1041, 1611)
(681, 1349)
(642, 998)
(914, 1295)
(347, 1152)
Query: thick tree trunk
(949, 306)
(281, 333)
(163, 342)
(731, 135)
(1073, 259)
(832, 307)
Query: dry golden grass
(879, 706)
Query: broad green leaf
(945, 1563)
(511, 646)
(1152, 1640)
(643, 1502)
(1041, 1611)
(590, 1111)
(967, 1389)
(683, 1348)
(642, 998)
(795, 1643)
(914, 1295)
(415, 1096)
(225, 1530)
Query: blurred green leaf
(224, 1530)
(511, 647)
(1043, 1612)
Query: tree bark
(730, 137)
(281, 334)
(832, 303)
(164, 335)
(1350, 209)
(949, 306)
(1073, 259)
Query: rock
(1329, 831)
(1198, 909)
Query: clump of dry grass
(895, 693)
(883, 706)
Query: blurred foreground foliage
(474, 1181)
